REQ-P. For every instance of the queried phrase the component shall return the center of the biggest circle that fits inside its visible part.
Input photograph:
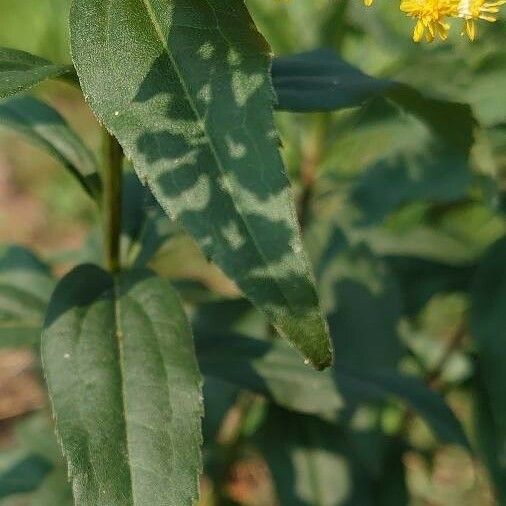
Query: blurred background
(385, 202)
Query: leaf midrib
(119, 337)
(159, 33)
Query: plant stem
(112, 175)
(433, 377)
(310, 165)
(231, 440)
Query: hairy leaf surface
(185, 87)
(125, 388)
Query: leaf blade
(487, 323)
(46, 128)
(200, 132)
(274, 370)
(20, 71)
(26, 285)
(130, 437)
(321, 81)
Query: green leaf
(312, 462)
(488, 321)
(125, 388)
(321, 81)
(363, 301)
(430, 405)
(40, 124)
(430, 160)
(20, 71)
(275, 370)
(488, 439)
(21, 473)
(54, 491)
(190, 101)
(391, 487)
(26, 285)
(421, 279)
(219, 397)
(145, 227)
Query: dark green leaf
(430, 405)
(219, 397)
(190, 101)
(275, 370)
(229, 315)
(366, 309)
(363, 302)
(54, 491)
(26, 285)
(488, 324)
(145, 226)
(125, 388)
(420, 279)
(321, 81)
(23, 473)
(43, 126)
(312, 462)
(430, 160)
(20, 71)
(391, 487)
(488, 439)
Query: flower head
(472, 10)
(431, 16)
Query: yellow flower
(471, 10)
(431, 16)
(368, 3)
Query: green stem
(313, 152)
(112, 175)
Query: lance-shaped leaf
(488, 323)
(184, 85)
(26, 285)
(20, 71)
(21, 472)
(321, 81)
(312, 462)
(40, 124)
(273, 369)
(125, 387)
